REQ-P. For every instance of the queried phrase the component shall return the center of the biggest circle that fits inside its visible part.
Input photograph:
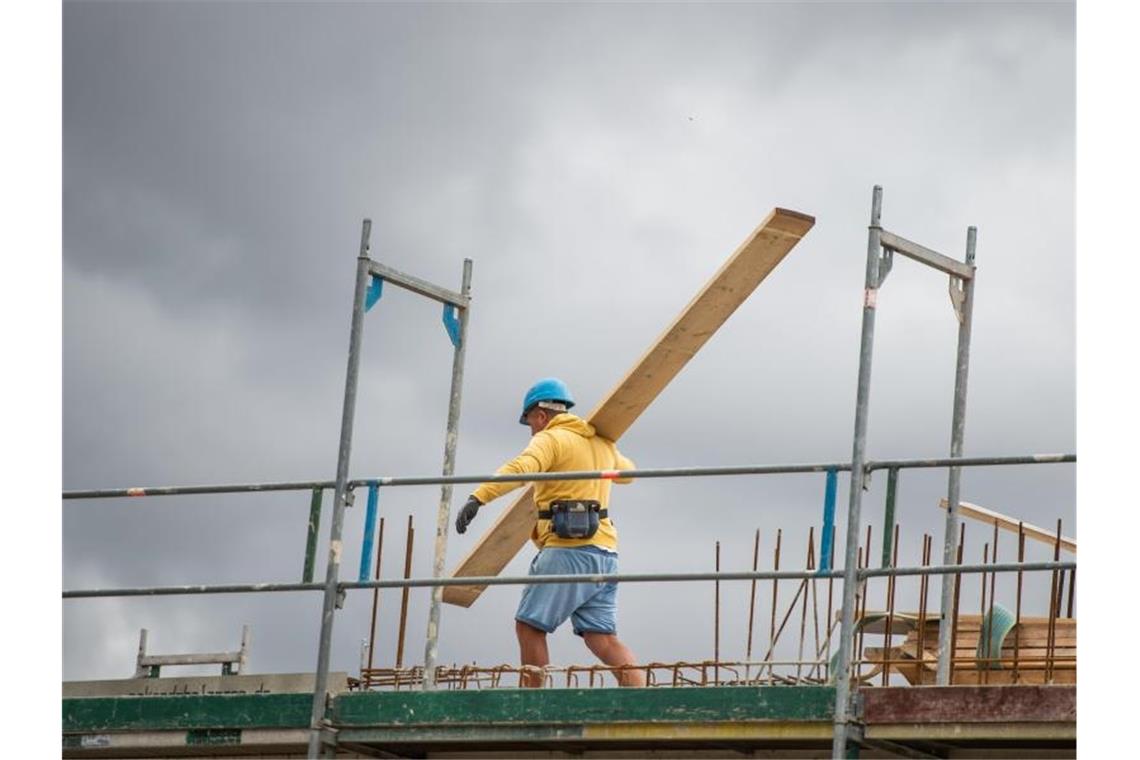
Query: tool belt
(574, 519)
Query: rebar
(1053, 604)
(376, 593)
(716, 616)
(752, 597)
(404, 598)
(1017, 618)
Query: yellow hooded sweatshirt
(568, 444)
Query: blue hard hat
(546, 389)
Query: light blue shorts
(592, 607)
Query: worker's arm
(622, 462)
(538, 456)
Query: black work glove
(467, 514)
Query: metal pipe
(953, 622)
(889, 513)
(965, 309)
(317, 721)
(667, 472)
(443, 514)
(1072, 590)
(855, 501)
(311, 538)
(890, 611)
(404, 598)
(522, 580)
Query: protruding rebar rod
(964, 303)
(404, 597)
(332, 574)
(809, 565)
(752, 605)
(987, 622)
(716, 621)
(1051, 638)
(1017, 614)
(923, 588)
(858, 456)
(775, 596)
(376, 593)
(311, 538)
(443, 515)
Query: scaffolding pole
(317, 723)
(443, 518)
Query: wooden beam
(756, 257)
(989, 517)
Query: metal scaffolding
(856, 569)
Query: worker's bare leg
(532, 651)
(608, 648)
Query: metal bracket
(349, 496)
(375, 290)
(340, 596)
(886, 260)
(867, 479)
(957, 297)
(451, 323)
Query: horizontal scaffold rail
(664, 472)
(495, 580)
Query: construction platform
(229, 718)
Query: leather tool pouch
(574, 519)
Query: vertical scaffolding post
(855, 500)
(443, 518)
(317, 723)
(962, 295)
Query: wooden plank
(989, 517)
(752, 261)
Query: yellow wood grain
(756, 257)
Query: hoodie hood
(571, 423)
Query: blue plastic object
(451, 323)
(827, 535)
(369, 531)
(374, 291)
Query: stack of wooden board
(1027, 656)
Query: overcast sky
(597, 163)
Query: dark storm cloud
(598, 163)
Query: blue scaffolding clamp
(451, 323)
(374, 292)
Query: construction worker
(573, 533)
